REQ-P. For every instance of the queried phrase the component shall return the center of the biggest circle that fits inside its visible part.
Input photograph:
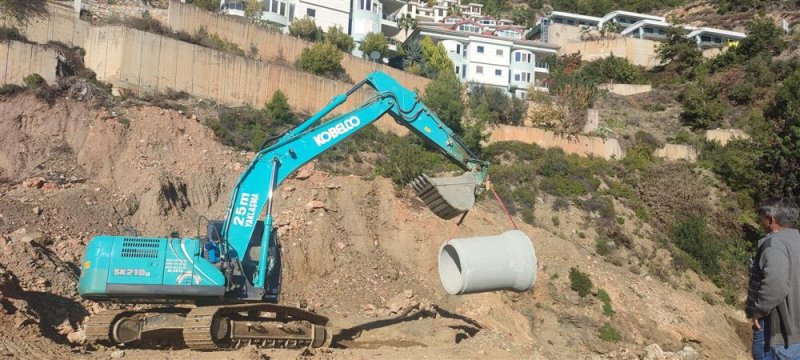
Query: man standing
(777, 274)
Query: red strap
(500, 202)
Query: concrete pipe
(488, 263)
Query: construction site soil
(354, 249)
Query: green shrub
(612, 69)
(609, 333)
(279, 111)
(336, 36)
(608, 310)
(692, 236)
(306, 29)
(210, 5)
(10, 33)
(322, 59)
(10, 89)
(374, 42)
(580, 282)
(406, 160)
(701, 107)
(443, 96)
(34, 81)
(601, 247)
(563, 186)
(556, 220)
(213, 41)
(492, 105)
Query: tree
(434, 59)
(253, 9)
(22, 11)
(210, 5)
(763, 37)
(412, 57)
(321, 59)
(305, 29)
(493, 105)
(336, 36)
(374, 42)
(278, 109)
(782, 147)
(443, 96)
(524, 15)
(407, 22)
(679, 51)
(701, 106)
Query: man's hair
(784, 211)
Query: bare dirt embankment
(352, 250)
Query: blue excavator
(233, 274)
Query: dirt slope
(352, 250)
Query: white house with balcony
(507, 62)
(422, 12)
(631, 24)
(357, 18)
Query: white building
(636, 25)
(481, 56)
(356, 17)
(419, 9)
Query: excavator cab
(447, 197)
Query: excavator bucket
(447, 197)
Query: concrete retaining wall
(637, 51)
(21, 59)
(723, 136)
(677, 152)
(626, 89)
(273, 46)
(142, 61)
(579, 145)
(62, 25)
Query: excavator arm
(447, 197)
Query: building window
(311, 12)
(718, 40)
(516, 77)
(458, 48)
(275, 7)
(480, 49)
(366, 5)
(558, 21)
(570, 22)
(661, 31)
(649, 30)
(498, 72)
(499, 52)
(517, 56)
(705, 38)
(479, 69)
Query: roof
(728, 33)
(575, 16)
(694, 31)
(616, 13)
(641, 23)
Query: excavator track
(98, 327)
(210, 328)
